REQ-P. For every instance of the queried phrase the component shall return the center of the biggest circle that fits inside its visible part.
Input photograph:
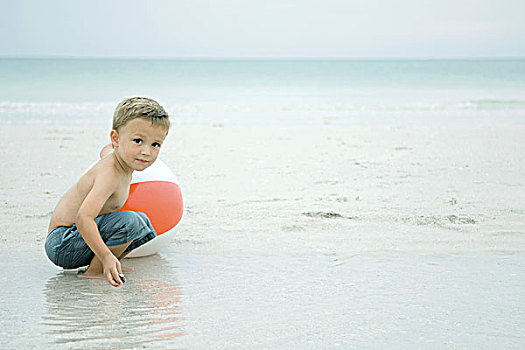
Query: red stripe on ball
(161, 201)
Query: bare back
(66, 210)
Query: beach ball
(156, 192)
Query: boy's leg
(125, 226)
(95, 268)
(122, 232)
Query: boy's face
(138, 142)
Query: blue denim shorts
(66, 248)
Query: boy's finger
(119, 268)
(115, 282)
(120, 273)
(116, 277)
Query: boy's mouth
(142, 161)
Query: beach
(352, 175)
(327, 204)
(465, 182)
(298, 236)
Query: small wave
(53, 112)
(54, 108)
(225, 112)
(494, 104)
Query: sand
(308, 237)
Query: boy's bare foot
(96, 275)
(91, 275)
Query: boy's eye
(156, 144)
(137, 141)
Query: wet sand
(308, 237)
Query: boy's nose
(145, 150)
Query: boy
(86, 227)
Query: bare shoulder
(104, 173)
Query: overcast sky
(263, 29)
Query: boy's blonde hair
(140, 107)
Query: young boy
(86, 227)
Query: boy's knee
(132, 220)
(142, 215)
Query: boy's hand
(112, 270)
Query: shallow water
(197, 296)
(46, 307)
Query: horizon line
(197, 58)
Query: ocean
(268, 92)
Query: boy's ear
(113, 135)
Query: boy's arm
(103, 187)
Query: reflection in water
(91, 313)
